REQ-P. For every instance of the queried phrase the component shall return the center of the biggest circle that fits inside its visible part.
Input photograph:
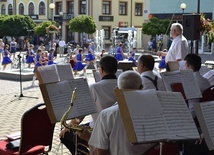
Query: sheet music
(48, 74)
(170, 78)
(206, 121)
(83, 104)
(64, 71)
(187, 79)
(147, 118)
(178, 118)
(60, 97)
(159, 116)
(190, 86)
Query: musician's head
(193, 61)
(176, 29)
(129, 80)
(108, 65)
(145, 63)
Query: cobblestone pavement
(12, 108)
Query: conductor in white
(179, 47)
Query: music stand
(20, 80)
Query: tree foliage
(15, 25)
(82, 24)
(156, 26)
(41, 28)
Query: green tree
(82, 24)
(156, 26)
(41, 28)
(15, 25)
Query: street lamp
(52, 6)
(183, 6)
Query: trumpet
(65, 116)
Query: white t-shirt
(61, 43)
(203, 84)
(103, 94)
(210, 76)
(147, 84)
(109, 133)
(178, 49)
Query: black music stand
(20, 80)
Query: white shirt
(178, 49)
(147, 84)
(103, 94)
(210, 76)
(203, 84)
(109, 133)
(61, 43)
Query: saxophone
(65, 116)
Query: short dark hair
(194, 60)
(148, 61)
(109, 64)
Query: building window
(58, 8)
(31, 9)
(10, 9)
(41, 8)
(70, 5)
(138, 9)
(3, 10)
(123, 8)
(107, 32)
(82, 7)
(106, 7)
(21, 9)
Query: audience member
(179, 47)
(61, 47)
(149, 79)
(109, 136)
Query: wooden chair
(36, 133)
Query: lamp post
(183, 7)
(52, 6)
(61, 23)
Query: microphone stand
(20, 80)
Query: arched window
(31, 9)
(3, 10)
(10, 9)
(41, 8)
(21, 9)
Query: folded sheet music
(57, 97)
(186, 78)
(54, 73)
(151, 116)
(205, 115)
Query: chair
(208, 94)
(167, 149)
(36, 133)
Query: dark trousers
(190, 148)
(69, 142)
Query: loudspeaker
(191, 27)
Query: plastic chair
(36, 133)
(208, 94)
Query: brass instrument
(64, 117)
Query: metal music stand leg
(20, 80)
(161, 147)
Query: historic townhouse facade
(106, 13)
